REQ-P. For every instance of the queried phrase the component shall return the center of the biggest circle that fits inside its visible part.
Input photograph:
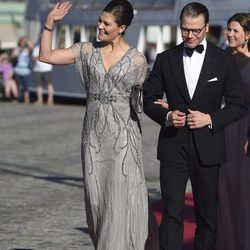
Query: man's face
(193, 30)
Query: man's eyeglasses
(195, 32)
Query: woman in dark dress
(234, 185)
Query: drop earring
(246, 42)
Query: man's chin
(191, 45)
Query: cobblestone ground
(41, 197)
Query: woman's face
(108, 29)
(236, 35)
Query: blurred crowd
(18, 68)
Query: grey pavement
(41, 191)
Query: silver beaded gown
(114, 184)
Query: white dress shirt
(192, 68)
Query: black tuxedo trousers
(174, 174)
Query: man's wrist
(167, 122)
(210, 124)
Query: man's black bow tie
(190, 51)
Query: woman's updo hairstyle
(122, 11)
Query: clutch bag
(136, 103)
(136, 98)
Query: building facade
(155, 28)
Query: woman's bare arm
(56, 56)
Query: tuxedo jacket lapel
(178, 71)
(206, 67)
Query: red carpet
(189, 220)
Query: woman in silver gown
(115, 190)
(234, 183)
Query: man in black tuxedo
(195, 76)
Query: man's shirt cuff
(167, 122)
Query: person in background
(22, 70)
(9, 84)
(42, 77)
(195, 76)
(234, 182)
(223, 42)
(150, 54)
(115, 189)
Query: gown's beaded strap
(104, 97)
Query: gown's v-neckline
(112, 66)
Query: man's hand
(177, 118)
(197, 119)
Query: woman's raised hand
(58, 12)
